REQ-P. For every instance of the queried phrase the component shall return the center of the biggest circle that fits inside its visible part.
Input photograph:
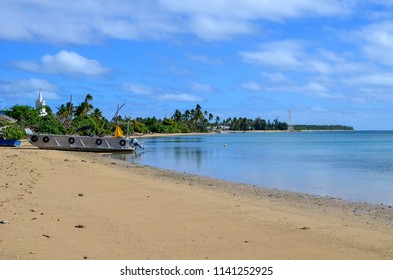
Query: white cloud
(304, 57)
(319, 109)
(251, 86)
(91, 21)
(199, 87)
(211, 28)
(274, 77)
(138, 89)
(160, 94)
(315, 89)
(310, 89)
(205, 59)
(377, 41)
(182, 97)
(29, 88)
(259, 9)
(285, 54)
(65, 62)
(373, 79)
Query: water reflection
(189, 155)
(354, 165)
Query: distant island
(301, 127)
(69, 118)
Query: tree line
(69, 118)
(300, 127)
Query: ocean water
(353, 165)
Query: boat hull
(9, 143)
(81, 143)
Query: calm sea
(354, 165)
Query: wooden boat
(117, 143)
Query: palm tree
(65, 114)
(217, 120)
(187, 115)
(97, 114)
(62, 113)
(177, 116)
(85, 107)
(198, 116)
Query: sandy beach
(67, 205)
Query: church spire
(40, 96)
(40, 103)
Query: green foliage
(49, 124)
(140, 127)
(183, 128)
(84, 121)
(14, 132)
(29, 117)
(69, 118)
(25, 115)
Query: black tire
(34, 138)
(71, 140)
(45, 139)
(122, 142)
(98, 142)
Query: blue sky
(328, 61)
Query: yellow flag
(118, 132)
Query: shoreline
(378, 211)
(69, 205)
(233, 131)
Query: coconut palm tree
(65, 114)
(85, 107)
(177, 116)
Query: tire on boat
(34, 138)
(98, 142)
(122, 142)
(45, 139)
(71, 140)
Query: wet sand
(68, 205)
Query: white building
(40, 103)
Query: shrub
(14, 132)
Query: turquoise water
(354, 165)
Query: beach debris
(305, 228)
(82, 160)
(80, 226)
(246, 241)
(3, 222)
(80, 194)
(45, 235)
(85, 257)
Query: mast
(290, 126)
